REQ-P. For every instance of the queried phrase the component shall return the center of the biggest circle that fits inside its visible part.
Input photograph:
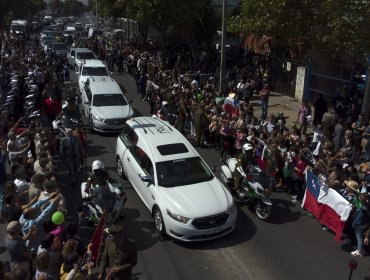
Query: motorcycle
(254, 188)
(93, 212)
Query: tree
(71, 7)
(321, 26)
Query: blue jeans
(360, 231)
(367, 150)
(264, 105)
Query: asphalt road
(291, 246)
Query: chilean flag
(231, 105)
(326, 204)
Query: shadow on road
(143, 232)
(283, 212)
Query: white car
(91, 68)
(185, 198)
(105, 105)
(75, 56)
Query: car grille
(115, 121)
(211, 221)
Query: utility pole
(221, 85)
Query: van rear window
(172, 149)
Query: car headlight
(97, 118)
(177, 217)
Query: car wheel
(120, 170)
(158, 220)
(91, 124)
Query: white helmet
(164, 103)
(247, 147)
(97, 164)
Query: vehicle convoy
(104, 104)
(19, 28)
(254, 187)
(185, 198)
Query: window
(109, 100)
(182, 172)
(88, 94)
(128, 136)
(172, 149)
(95, 71)
(143, 160)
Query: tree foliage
(193, 19)
(331, 26)
(19, 9)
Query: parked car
(185, 198)
(91, 68)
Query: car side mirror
(147, 179)
(214, 168)
(87, 102)
(130, 101)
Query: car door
(142, 167)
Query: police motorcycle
(254, 189)
(64, 121)
(101, 199)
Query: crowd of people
(42, 245)
(40, 241)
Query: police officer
(97, 183)
(245, 159)
(119, 256)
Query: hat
(351, 184)
(13, 227)
(115, 229)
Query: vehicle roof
(104, 85)
(93, 63)
(153, 132)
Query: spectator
(3, 176)
(264, 98)
(32, 216)
(15, 243)
(304, 113)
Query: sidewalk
(279, 103)
(286, 104)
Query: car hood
(112, 112)
(198, 200)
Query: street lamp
(221, 85)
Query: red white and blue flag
(326, 204)
(231, 105)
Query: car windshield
(109, 100)
(60, 47)
(68, 31)
(182, 172)
(85, 55)
(95, 71)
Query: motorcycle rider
(97, 184)
(245, 160)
